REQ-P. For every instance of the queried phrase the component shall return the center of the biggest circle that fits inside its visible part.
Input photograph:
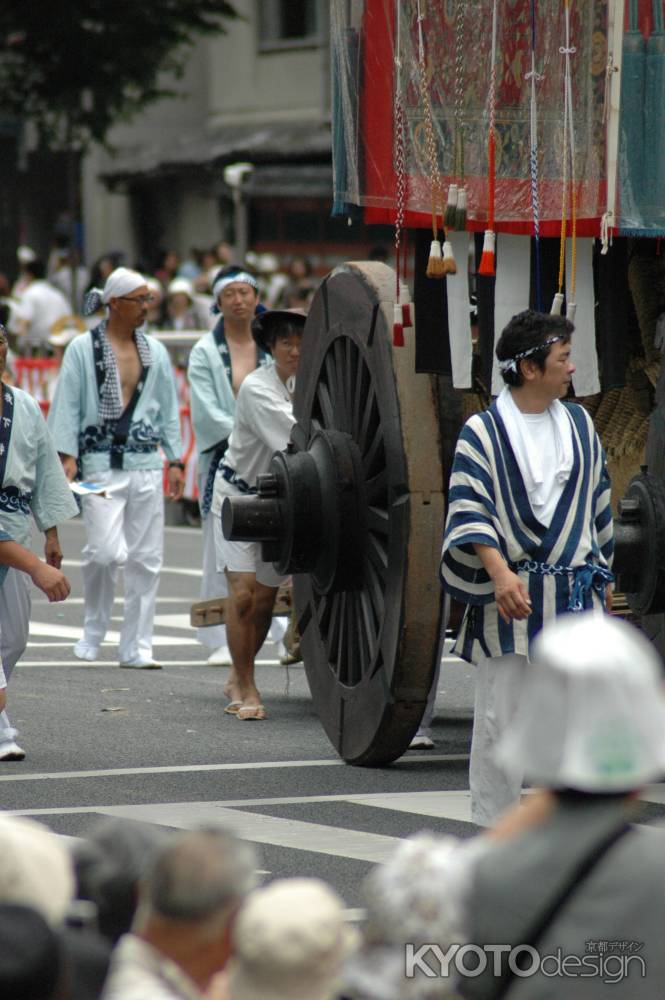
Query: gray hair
(198, 877)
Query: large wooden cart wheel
(355, 510)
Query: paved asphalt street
(156, 746)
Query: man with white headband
(218, 365)
(571, 884)
(115, 406)
(529, 531)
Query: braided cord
(533, 158)
(569, 51)
(430, 142)
(491, 147)
(400, 141)
(460, 19)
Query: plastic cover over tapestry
(455, 62)
(538, 161)
(642, 130)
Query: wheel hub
(308, 513)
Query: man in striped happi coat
(529, 532)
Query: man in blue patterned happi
(529, 534)
(115, 406)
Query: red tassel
(398, 329)
(487, 259)
(407, 322)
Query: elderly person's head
(188, 898)
(289, 943)
(417, 898)
(109, 865)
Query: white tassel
(571, 309)
(557, 304)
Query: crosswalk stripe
(259, 765)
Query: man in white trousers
(32, 487)
(115, 406)
(218, 365)
(529, 533)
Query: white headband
(222, 282)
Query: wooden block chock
(207, 613)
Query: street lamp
(236, 175)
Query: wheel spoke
(374, 588)
(368, 630)
(373, 456)
(332, 636)
(369, 420)
(378, 520)
(376, 489)
(376, 552)
(325, 403)
(359, 393)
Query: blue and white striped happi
(489, 504)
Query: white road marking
(179, 570)
(276, 831)
(116, 600)
(112, 638)
(111, 663)
(238, 766)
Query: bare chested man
(115, 405)
(218, 365)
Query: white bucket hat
(592, 715)
(290, 941)
(181, 286)
(36, 868)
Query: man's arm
(49, 579)
(512, 597)
(65, 412)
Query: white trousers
(14, 628)
(125, 528)
(498, 688)
(213, 583)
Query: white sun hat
(36, 868)
(181, 286)
(592, 713)
(290, 940)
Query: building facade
(259, 96)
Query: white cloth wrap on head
(592, 714)
(121, 282)
(228, 279)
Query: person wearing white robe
(213, 404)
(263, 423)
(126, 527)
(33, 487)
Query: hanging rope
(487, 265)
(440, 262)
(568, 161)
(460, 23)
(534, 77)
(400, 171)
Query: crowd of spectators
(135, 912)
(45, 299)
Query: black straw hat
(264, 323)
